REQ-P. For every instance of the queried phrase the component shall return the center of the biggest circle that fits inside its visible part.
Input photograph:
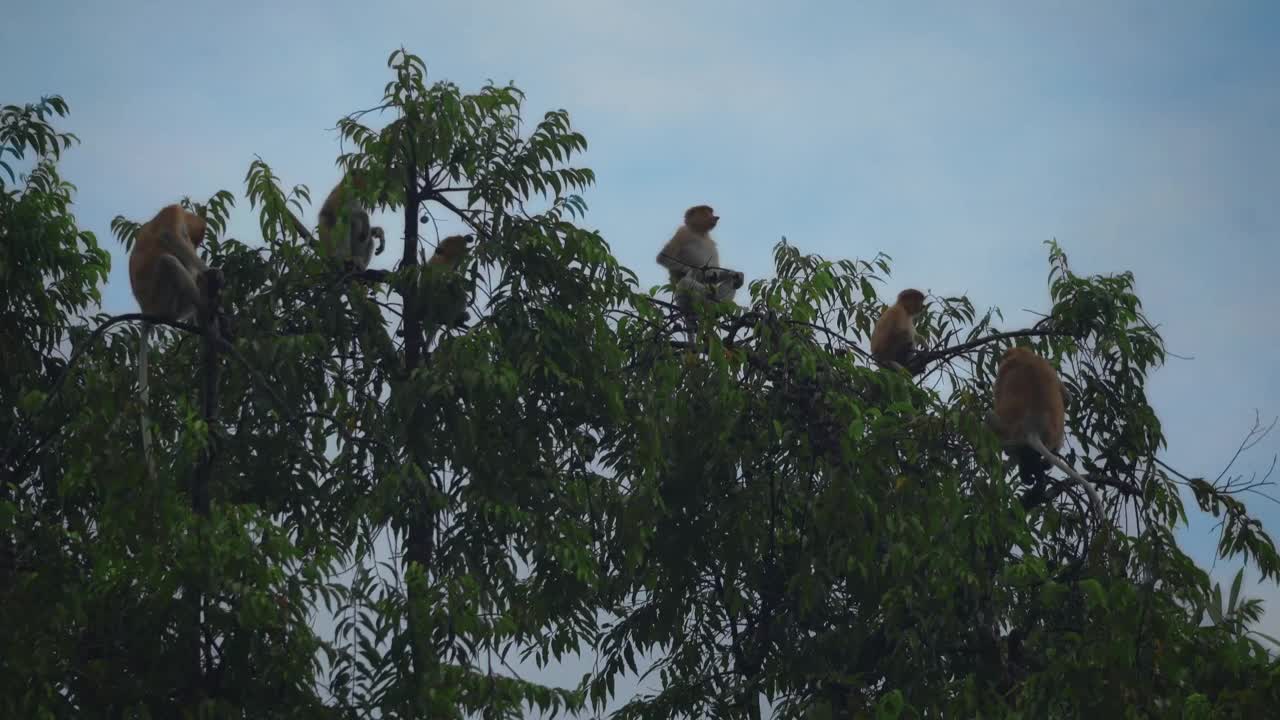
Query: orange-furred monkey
(894, 336)
(1030, 411)
(450, 251)
(168, 280)
(449, 254)
(345, 230)
(692, 261)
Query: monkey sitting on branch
(894, 339)
(692, 261)
(346, 233)
(170, 281)
(441, 302)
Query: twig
(300, 228)
(929, 356)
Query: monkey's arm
(328, 215)
(669, 258)
(180, 247)
(901, 343)
(724, 290)
(914, 336)
(677, 256)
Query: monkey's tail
(145, 395)
(1033, 439)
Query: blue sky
(954, 136)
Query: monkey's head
(911, 300)
(356, 178)
(195, 227)
(1016, 353)
(451, 250)
(701, 218)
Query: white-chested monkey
(1030, 411)
(168, 280)
(345, 229)
(894, 337)
(692, 261)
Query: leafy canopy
(401, 506)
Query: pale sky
(954, 136)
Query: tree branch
(925, 357)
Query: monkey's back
(329, 211)
(154, 290)
(692, 251)
(1028, 396)
(891, 337)
(148, 246)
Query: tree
(844, 540)
(763, 510)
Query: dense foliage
(765, 512)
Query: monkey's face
(451, 250)
(195, 228)
(912, 301)
(701, 218)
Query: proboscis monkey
(691, 247)
(168, 280)
(345, 230)
(449, 254)
(1030, 411)
(450, 251)
(692, 261)
(894, 337)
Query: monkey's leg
(690, 285)
(360, 240)
(686, 317)
(178, 247)
(689, 292)
(184, 297)
(1032, 475)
